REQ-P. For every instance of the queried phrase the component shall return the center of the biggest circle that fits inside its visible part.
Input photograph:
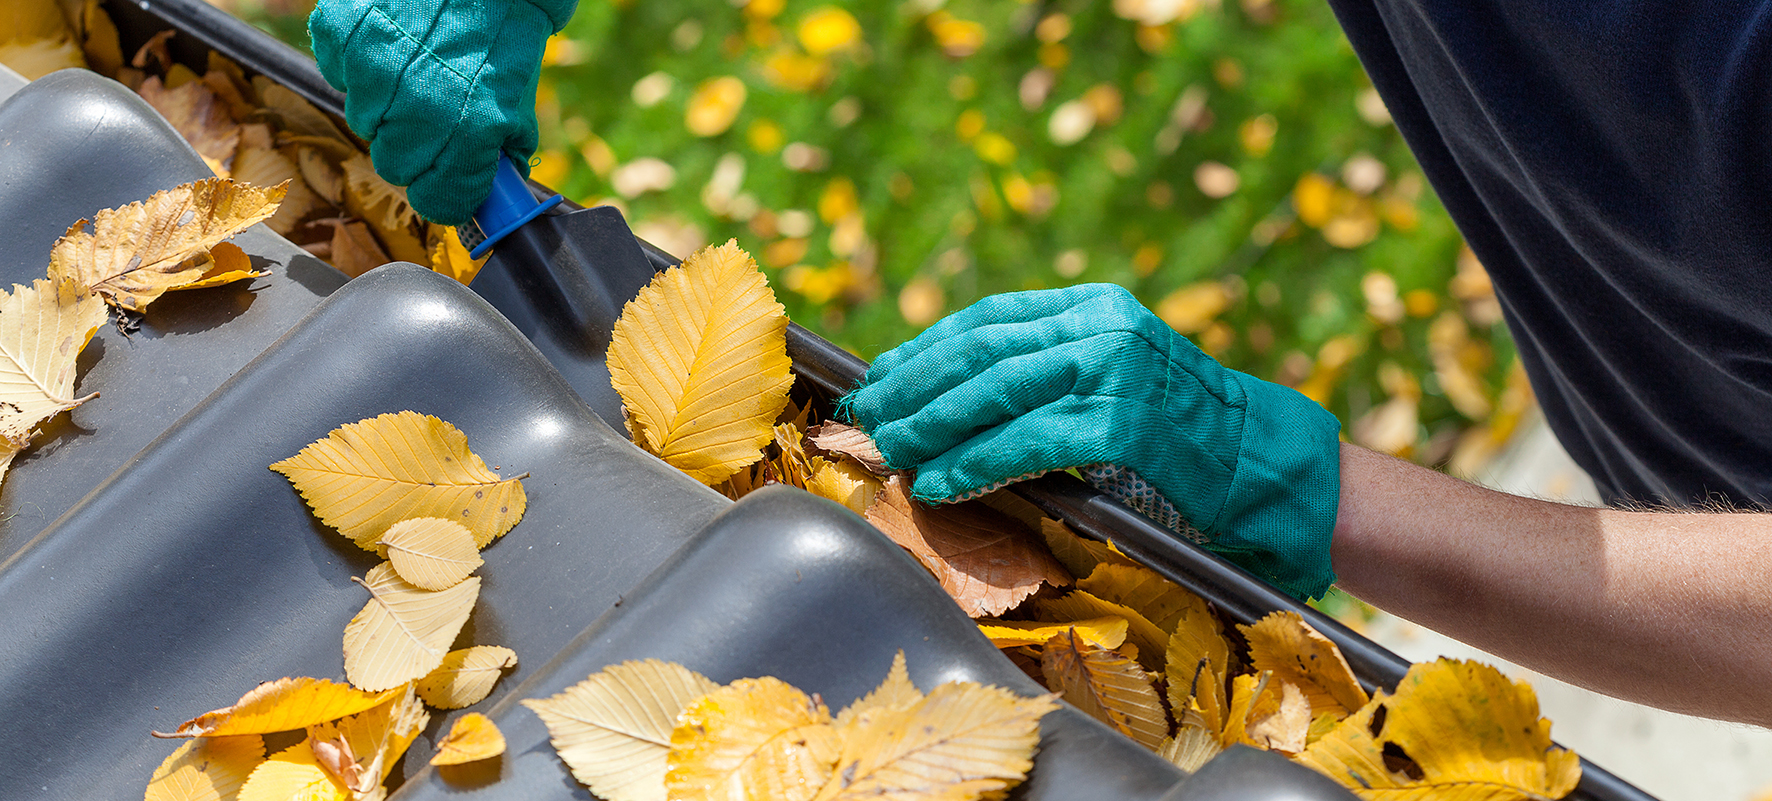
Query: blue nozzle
(510, 205)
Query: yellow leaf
(848, 441)
(210, 769)
(1248, 692)
(450, 258)
(1157, 598)
(986, 561)
(471, 739)
(1190, 748)
(614, 728)
(199, 117)
(755, 739)
(466, 676)
(282, 705)
(843, 482)
(431, 553)
(1101, 632)
(227, 264)
(35, 39)
(1078, 554)
(1453, 727)
(137, 252)
(962, 741)
(1105, 686)
(1195, 663)
(43, 328)
(699, 358)
(362, 749)
(403, 632)
(1140, 631)
(260, 164)
(1283, 643)
(714, 106)
(39, 57)
(896, 692)
(368, 475)
(293, 774)
(374, 194)
(1284, 728)
(25, 20)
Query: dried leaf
(1250, 700)
(296, 114)
(1195, 663)
(849, 441)
(431, 553)
(260, 164)
(1284, 727)
(227, 263)
(293, 774)
(403, 632)
(1078, 554)
(450, 258)
(1101, 632)
(896, 692)
(843, 482)
(962, 741)
(1105, 686)
(137, 252)
(1191, 747)
(466, 676)
(99, 39)
(699, 358)
(1283, 643)
(383, 205)
(353, 249)
(614, 728)
(987, 562)
(43, 328)
(362, 749)
(366, 476)
(210, 769)
(1158, 599)
(199, 117)
(1140, 632)
(320, 174)
(282, 705)
(1457, 727)
(471, 739)
(35, 40)
(755, 739)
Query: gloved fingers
(1106, 365)
(1054, 437)
(1009, 307)
(451, 190)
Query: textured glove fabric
(1029, 382)
(439, 88)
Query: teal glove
(1029, 382)
(438, 88)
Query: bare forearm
(1668, 609)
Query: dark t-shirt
(1610, 163)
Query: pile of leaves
(699, 359)
(406, 487)
(647, 730)
(252, 130)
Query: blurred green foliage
(889, 161)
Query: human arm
(1668, 609)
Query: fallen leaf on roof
(1078, 554)
(848, 441)
(403, 632)
(223, 264)
(1102, 632)
(384, 205)
(473, 737)
(699, 358)
(843, 482)
(43, 328)
(466, 676)
(261, 164)
(896, 692)
(430, 552)
(986, 561)
(450, 258)
(293, 774)
(1140, 632)
(1158, 599)
(207, 769)
(135, 253)
(1283, 643)
(362, 749)
(1190, 748)
(282, 705)
(198, 116)
(1106, 686)
(1284, 726)
(614, 728)
(752, 739)
(364, 477)
(352, 249)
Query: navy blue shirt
(1610, 163)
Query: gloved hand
(438, 88)
(1029, 382)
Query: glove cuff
(1279, 513)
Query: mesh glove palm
(439, 88)
(1029, 382)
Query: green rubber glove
(1029, 382)
(439, 88)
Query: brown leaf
(1106, 686)
(849, 441)
(199, 117)
(353, 249)
(987, 562)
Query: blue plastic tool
(510, 205)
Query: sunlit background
(891, 161)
